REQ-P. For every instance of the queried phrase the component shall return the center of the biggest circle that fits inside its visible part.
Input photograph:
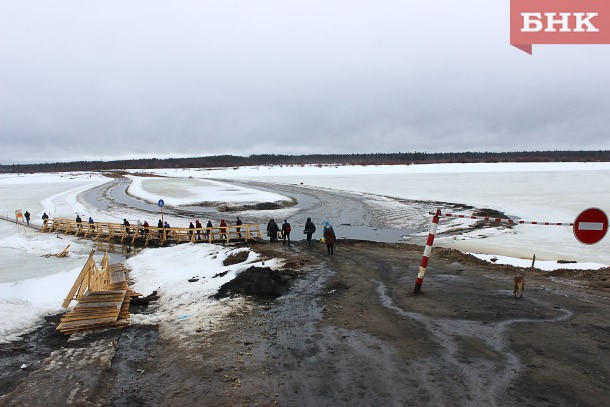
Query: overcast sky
(89, 80)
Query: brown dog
(519, 286)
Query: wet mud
(350, 331)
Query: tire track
(481, 381)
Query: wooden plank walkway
(145, 235)
(103, 297)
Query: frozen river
(383, 203)
(353, 215)
(375, 203)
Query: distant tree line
(313, 159)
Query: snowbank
(539, 264)
(183, 305)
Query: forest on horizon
(216, 161)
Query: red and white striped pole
(427, 250)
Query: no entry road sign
(590, 226)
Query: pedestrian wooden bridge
(103, 297)
(145, 235)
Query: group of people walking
(144, 228)
(328, 235)
(222, 227)
(274, 231)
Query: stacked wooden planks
(102, 309)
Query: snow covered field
(32, 286)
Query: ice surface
(180, 191)
(32, 286)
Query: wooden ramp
(104, 302)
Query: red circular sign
(590, 226)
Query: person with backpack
(272, 230)
(330, 238)
(286, 231)
(310, 229)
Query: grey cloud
(116, 80)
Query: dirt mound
(236, 258)
(492, 214)
(261, 282)
(143, 301)
(260, 206)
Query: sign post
(161, 203)
(590, 226)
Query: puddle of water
(373, 234)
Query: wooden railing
(108, 231)
(91, 278)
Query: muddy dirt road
(349, 332)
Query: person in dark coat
(91, 223)
(238, 222)
(272, 229)
(209, 225)
(79, 221)
(330, 238)
(198, 227)
(160, 226)
(286, 231)
(191, 227)
(310, 229)
(45, 218)
(27, 217)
